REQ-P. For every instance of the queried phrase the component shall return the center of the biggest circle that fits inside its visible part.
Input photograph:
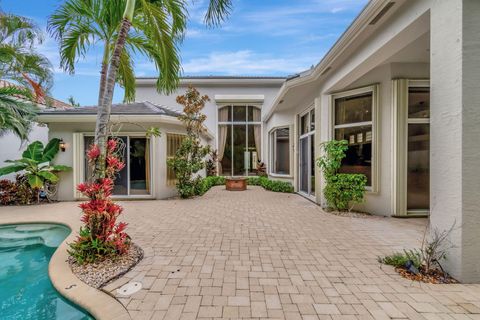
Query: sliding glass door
(306, 183)
(239, 140)
(134, 178)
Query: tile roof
(137, 108)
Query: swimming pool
(26, 291)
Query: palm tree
(28, 70)
(81, 24)
(158, 27)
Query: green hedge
(271, 185)
(267, 184)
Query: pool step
(19, 242)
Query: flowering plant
(101, 236)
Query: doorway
(306, 182)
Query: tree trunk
(103, 72)
(104, 108)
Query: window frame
(401, 121)
(374, 90)
(272, 144)
(231, 123)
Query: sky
(260, 38)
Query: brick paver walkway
(259, 254)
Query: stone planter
(236, 184)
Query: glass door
(418, 150)
(306, 183)
(134, 178)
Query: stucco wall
(158, 165)
(11, 147)
(148, 93)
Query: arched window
(239, 140)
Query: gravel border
(99, 274)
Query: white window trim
(231, 123)
(400, 120)
(307, 111)
(374, 89)
(271, 151)
(79, 161)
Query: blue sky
(267, 37)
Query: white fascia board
(252, 98)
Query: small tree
(189, 158)
(342, 190)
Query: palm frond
(126, 76)
(16, 111)
(217, 12)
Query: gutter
(323, 67)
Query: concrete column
(455, 132)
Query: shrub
(271, 185)
(17, 192)
(210, 182)
(400, 259)
(189, 158)
(341, 190)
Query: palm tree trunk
(103, 72)
(105, 107)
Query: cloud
(246, 62)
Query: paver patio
(258, 254)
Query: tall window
(239, 140)
(307, 153)
(134, 178)
(280, 142)
(353, 121)
(174, 141)
(418, 155)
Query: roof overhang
(368, 16)
(132, 118)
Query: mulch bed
(99, 274)
(434, 276)
(350, 214)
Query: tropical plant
(101, 236)
(211, 164)
(19, 62)
(17, 192)
(342, 190)
(36, 163)
(28, 72)
(189, 158)
(16, 112)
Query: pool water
(26, 291)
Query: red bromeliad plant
(101, 236)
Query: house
(401, 85)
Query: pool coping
(97, 303)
